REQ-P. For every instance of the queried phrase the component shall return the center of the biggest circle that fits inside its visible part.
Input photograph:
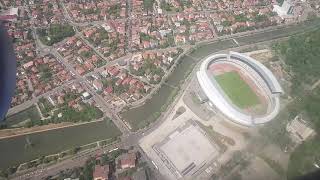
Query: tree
(226, 23)
(260, 18)
(75, 150)
(55, 33)
(241, 18)
(301, 54)
(280, 2)
(148, 5)
(104, 159)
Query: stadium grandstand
(243, 89)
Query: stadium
(240, 87)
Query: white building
(285, 9)
(86, 95)
(299, 130)
(262, 77)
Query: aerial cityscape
(162, 90)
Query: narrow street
(99, 100)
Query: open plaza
(186, 150)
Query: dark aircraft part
(7, 72)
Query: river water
(16, 150)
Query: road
(76, 161)
(98, 98)
(79, 34)
(128, 26)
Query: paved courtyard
(187, 149)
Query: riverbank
(9, 133)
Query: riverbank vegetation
(20, 119)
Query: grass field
(303, 158)
(237, 90)
(28, 114)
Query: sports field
(237, 90)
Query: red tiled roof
(8, 17)
(109, 90)
(128, 161)
(101, 172)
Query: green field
(303, 158)
(237, 90)
(25, 115)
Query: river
(15, 150)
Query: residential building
(101, 172)
(128, 161)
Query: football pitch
(237, 90)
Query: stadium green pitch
(238, 91)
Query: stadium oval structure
(257, 72)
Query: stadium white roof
(213, 90)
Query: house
(89, 32)
(128, 161)
(86, 95)
(108, 90)
(97, 84)
(122, 75)
(101, 172)
(118, 82)
(114, 71)
(299, 130)
(80, 70)
(8, 18)
(104, 73)
(60, 100)
(133, 82)
(180, 39)
(71, 40)
(126, 81)
(28, 64)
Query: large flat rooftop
(187, 149)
